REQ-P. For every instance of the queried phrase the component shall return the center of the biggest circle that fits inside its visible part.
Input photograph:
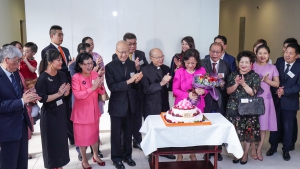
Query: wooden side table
(203, 164)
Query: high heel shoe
(235, 161)
(86, 168)
(99, 163)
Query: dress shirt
(8, 75)
(216, 66)
(64, 53)
(291, 65)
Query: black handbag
(251, 106)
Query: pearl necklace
(191, 71)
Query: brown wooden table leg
(156, 161)
(216, 158)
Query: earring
(51, 66)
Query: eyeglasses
(217, 52)
(126, 52)
(16, 61)
(132, 44)
(88, 64)
(158, 57)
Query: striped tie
(14, 83)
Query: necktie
(62, 54)
(214, 68)
(14, 83)
(286, 70)
(130, 56)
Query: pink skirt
(86, 134)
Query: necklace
(190, 72)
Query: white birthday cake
(184, 112)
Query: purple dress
(268, 120)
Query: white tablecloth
(158, 135)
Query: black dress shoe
(292, 147)
(243, 162)
(235, 161)
(79, 157)
(172, 157)
(271, 151)
(137, 145)
(286, 156)
(220, 158)
(130, 162)
(209, 155)
(119, 165)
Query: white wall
(11, 12)
(274, 21)
(156, 23)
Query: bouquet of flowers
(208, 82)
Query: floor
(274, 162)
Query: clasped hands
(30, 96)
(165, 79)
(280, 91)
(98, 82)
(240, 80)
(135, 78)
(193, 95)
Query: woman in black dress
(52, 87)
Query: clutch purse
(251, 106)
(103, 97)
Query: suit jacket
(122, 96)
(64, 65)
(11, 109)
(290, 99)
(86, 100)
(156, 97)
(224, 67)
(229, 59)
(141, 56)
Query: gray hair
(10, 52)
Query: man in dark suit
(57, 36)
(155, 85)
(225, 56)
(288, 94)
(276, 99)
(14, 118)
(122, 78)
(140, 61)
(215, 65)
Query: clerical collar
(155, 67)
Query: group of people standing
(70, 90)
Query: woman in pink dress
(270, 78)
(182, 83)
(86, 86)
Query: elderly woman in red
(86, 85)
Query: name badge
(93, 81)
(59, 102)
(291, 74)
(141, 62)
(221, 75)
(244, 100)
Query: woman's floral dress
(247, 127)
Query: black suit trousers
(119, 125)
(14, 154)
(137, 122)
(287, 119)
